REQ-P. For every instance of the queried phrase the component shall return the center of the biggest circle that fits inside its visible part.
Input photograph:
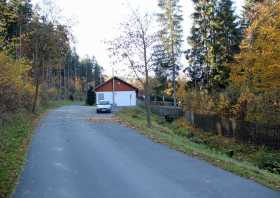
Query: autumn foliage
(16, 89)
(253, 93)
(258, 64)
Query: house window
(100, 96)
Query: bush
(16, 90)
(268, 161)
(196, 140)
(90, 97)
(161, 120)
(26, 97)
(265, 108)
(181, 132)
(52, 93)
(200, 101)
(246, 105)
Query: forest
(38, 61)
(232, 67)
(233, 61)
(239, 75)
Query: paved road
(71, 157)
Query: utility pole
(113, 74)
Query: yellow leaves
(223, 105)
(11, 71)
(258, 64)
(181, 91)
(15, 88)
(200, 101)
(52, 92)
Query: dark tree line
(40, 44)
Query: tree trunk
(59, 77)
(174, 84)
(148, 107)
(75, 78)
(68, 74)
(147, 86)
(64, 83)
(36, 96)
(173, 73)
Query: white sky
(98, 20)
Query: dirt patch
(104, 119)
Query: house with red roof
(118, 92)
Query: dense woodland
(238, 76)
(233, 67)
(233, 61)
(37, 60)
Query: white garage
(117, 92)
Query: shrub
(268, 161)
(223, 105)
(160, 120)
(196, 140)
(265, 108)
(90, 97)
(181, 132)
(52, 93)
(16, 90)
(200, 101)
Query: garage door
(125, 98)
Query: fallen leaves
(103, 119)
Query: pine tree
(20, 26)
(225, 43)
(200, 42)
(170, 35)
(161, 65)
(215, 40)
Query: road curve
(72, 157)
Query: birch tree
(134, 47)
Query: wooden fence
(247, 132)
(169, 112)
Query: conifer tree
(200, 42)
(161, 65)
(170, 19)
(226, 37)
(215, 38)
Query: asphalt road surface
(72, 157)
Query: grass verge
(15, 136)
(162, 132)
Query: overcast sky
(98, 20)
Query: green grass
(15, 136)
(176, 138)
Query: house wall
(122, 98)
